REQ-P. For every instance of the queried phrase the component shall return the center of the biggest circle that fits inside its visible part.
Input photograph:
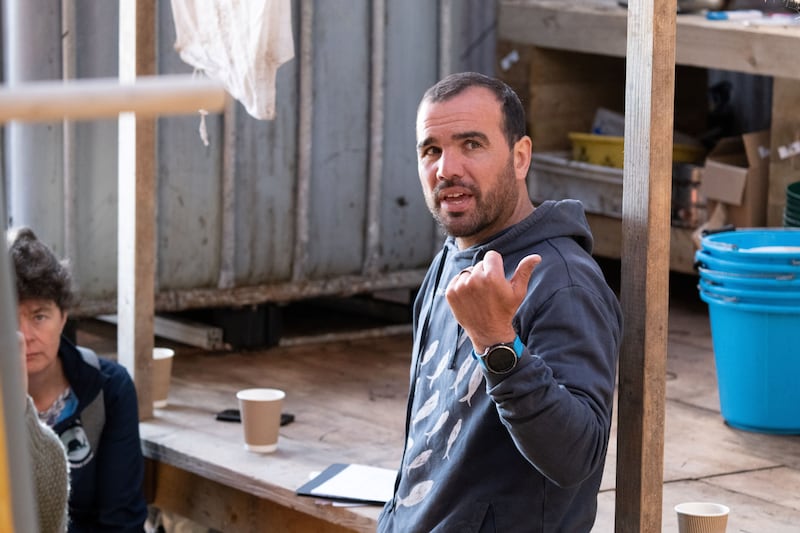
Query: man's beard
(490, 205)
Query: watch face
(501, 359)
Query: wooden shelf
(570, 61)
(607, 233)
(600, 27)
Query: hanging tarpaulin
(240, 43)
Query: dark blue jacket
(521, 452)
(103, 445)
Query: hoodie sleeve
(557, 404)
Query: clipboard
(352, 483)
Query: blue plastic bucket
(758, 364)
(749, 295)
(705, 260)
(755, 245)
(756, 280)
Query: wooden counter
(349, 406)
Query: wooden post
(646, 199)
(95, 98)
(137, 218)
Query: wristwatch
(501, 358)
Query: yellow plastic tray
(608, 150)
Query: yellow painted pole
(17, 512)
(6, 514)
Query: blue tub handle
(711, 298)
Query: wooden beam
(45, 101)
(136, 244)
(646, 207)
(218, 506)
(184, 331)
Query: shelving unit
(570, 60)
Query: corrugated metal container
(322, 200)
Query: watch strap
(515, 345)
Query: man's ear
(522, 157)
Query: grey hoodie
(522, 451)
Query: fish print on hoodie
(452, 379)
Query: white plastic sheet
(240, 43)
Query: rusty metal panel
(340, 146)
(408, 233)
(91, 234)
(322, 200)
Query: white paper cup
(162, 373)
(702, 517)
(261, 418)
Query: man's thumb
(522, 274)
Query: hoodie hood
(550, 220)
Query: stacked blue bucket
(750, 279)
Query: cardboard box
(736, 172)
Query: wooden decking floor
(757, 475)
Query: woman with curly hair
(89, 401)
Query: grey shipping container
(322, 200)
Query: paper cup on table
(261, 418)
(162, 373)
(702, 517)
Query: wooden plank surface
(754, 474)
(348, 399)
(600, 27)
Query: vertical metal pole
(304, 134)
(227, 271)
(445, 38)
(68, 60)
(32, 49)
(376, 136)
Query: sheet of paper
(359, 482)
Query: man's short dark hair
(39, 273)
(514, 125)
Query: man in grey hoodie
(516, 336)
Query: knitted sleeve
(50, 473)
